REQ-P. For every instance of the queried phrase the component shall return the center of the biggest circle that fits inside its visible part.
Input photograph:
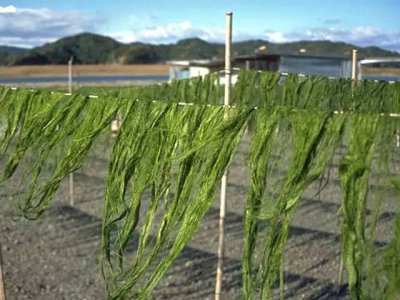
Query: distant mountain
(7, 49)
(136, 53)
(6, 52)
(330, 48)
(88, 48)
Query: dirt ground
(56, 257)
(82, 70)
(381, 71)
(110, 70)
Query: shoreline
(81, 70)
(122, 70)
(61, 72)
(76, 86)
(381, 71)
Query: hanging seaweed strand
(315, 137)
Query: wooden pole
(224, 182)
(2, 292)
(341, 266)
(71, 176)
(354, 65)
(71, 60)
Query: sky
(28, 23)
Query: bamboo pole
(2, 292)
(71, 60)
(336, 112)
(71, 176)
(224, 181)
(341, 263)
(354, 65)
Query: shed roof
(373, 60)
(207, 63)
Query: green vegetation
(156, 139)
(88, 48)
(85, 48)
(315, 137)
(7, 52)
(167, 161)
(137, 54)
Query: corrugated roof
(197, 62)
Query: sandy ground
(112, 70)
(99, 70)
(56, 257)
(76, 86)
(381, 71)
(82, 70)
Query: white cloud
(10, 9)
(275, 36)
(166, 34)
(360, 36)
(173, 32)
(27, 27)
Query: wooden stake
(71, 60)
(71, 189)
(354, 65)
(71, 176)
(339, 277)
(2, 292)
(224, 182)
(341, 266)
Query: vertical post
(247, 67)
(224, 181)
(354, 65)
(341, 266)
(247, 64)
(71, 176)
(2, 292)
(71, 189)
(359, 71)
(71, 60)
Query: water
(384, 78)
(85, 79)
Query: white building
(183, 69)
(298, 64)
(378, 62)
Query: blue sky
(31, 23)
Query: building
(378, 63)
(183, 69)
(299, 64)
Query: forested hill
(88, 48)
(6, 52)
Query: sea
(384, 78)
(84, 79)
(104, 79)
